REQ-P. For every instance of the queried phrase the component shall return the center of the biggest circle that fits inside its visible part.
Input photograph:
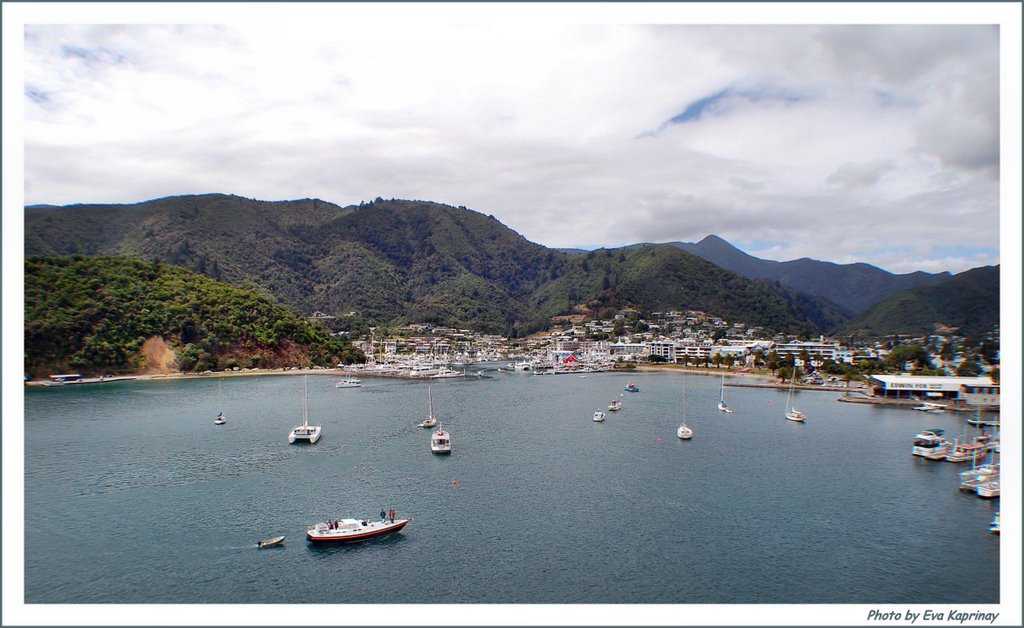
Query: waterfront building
(817, 351)
(665, 349)
(926, 388)
(986, 396)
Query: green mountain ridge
(101, 315)
(968, 303)
(397, 261)
(847, 289)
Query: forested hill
(852, 287)
(395, 261)
(100, 315)
(967, 304)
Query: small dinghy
(277, 540)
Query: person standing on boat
(391, 515)
(383, 515)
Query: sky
(849, 143)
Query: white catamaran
(304, 433)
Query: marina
(838, 514)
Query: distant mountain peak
(853, 287)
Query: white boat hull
(353, 531)
(304, 434)
(684, 432)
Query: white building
(817, 351)
(926, 388)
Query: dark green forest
(967, 303)
(94, 314)
(397, 261)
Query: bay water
(133, 495)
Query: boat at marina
(445, 372)
(993, 527)
(967, 451)
(353, 530)
(305, 433)
(791, 412)
(431, 420)
(931, 444)
(724, 407)
(631, 387)
(988, 489)
(441, 442)
(271, 542)
(598, 416)
(930, 407)
(349, 382)
(615, 405)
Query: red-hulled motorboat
(353, 530)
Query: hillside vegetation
(96, 315)
(967, 303)
(404, 261)
(846, 289)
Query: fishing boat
(791, 412)
(271, 542)
(724, 407)
(615, 405)
(598, 416)
(352, 530)
(931, 444)
(631, 387)
(305, 433)
(348, 382)
(431, 420)
(220, 420)
(441, 442)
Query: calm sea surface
(133, 495)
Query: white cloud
(836, 140)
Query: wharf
(786, 386)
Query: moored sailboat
(220, 420)
(431, 420)
(724, 407)
(305, 433)
(684, 431)
(791, 412)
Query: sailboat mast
(305, 401)
(430, 403)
